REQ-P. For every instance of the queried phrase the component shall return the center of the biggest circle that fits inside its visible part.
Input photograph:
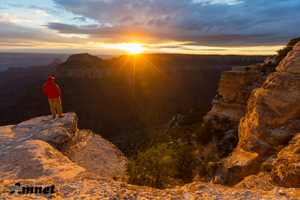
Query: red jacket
(51, 89)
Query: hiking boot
(61, 116)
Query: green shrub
(205, 133)
(155, 168)
(186, 162)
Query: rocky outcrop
(291, 63)
(271, 59)
(44, 147)
(235, 88)
(271, 121)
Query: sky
(115, 27)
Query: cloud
(12, 19)
(15, 34)
(15, 18)
(47, 10)
(16, 5)
(201, 22)
(41, 12)
(55, 20)
(126, 19)
(82, 19)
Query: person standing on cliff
(52, 91)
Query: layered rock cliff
(267, 124)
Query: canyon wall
(267, 113)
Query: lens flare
(132, 48)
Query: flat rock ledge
(44, 147)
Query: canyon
(128, 95)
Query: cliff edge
(44, 147)
(269, 132)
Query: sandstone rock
(240, 164)
(271, 59)
(233, 81)
(256, 182)
(286, 171)
(291, 63)
(28, 150)
(34, 159)
(97, 155)
(232, 111)
(235, 86)
(56, 136)
(272, 118)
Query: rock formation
(235, 88)
(44, 147)
(271, 121)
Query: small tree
(155, 168)
(186, 162)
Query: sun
(132, 48)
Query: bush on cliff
(155, 168)
(163, 166)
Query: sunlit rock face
(44, 147)
(235, 87)
(291, 63)
(286, 169)
(272, 119)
